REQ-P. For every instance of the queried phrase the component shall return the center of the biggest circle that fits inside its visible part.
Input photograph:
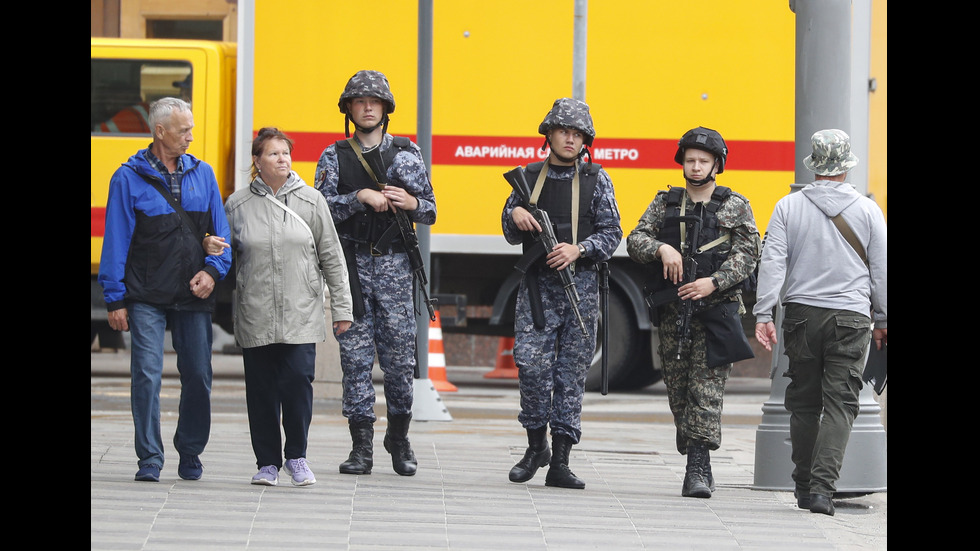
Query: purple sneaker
(299, 471)
(267, 476)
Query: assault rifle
(690, 273)
(407, 230)
(546, 239)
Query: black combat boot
(537, 455)
(397, 444)
(709, 479)
(361, 457)
(694, 483)
(558, 472)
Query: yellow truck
(653, 72)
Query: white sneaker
(267, 476)
(299, 471)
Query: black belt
(365, 247)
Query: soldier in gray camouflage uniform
(729, 244)
(550, 352)
(380, 272)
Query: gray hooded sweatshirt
(805, 251)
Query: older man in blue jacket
(156, 275)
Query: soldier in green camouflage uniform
(695, 373)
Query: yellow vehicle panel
(159, 62)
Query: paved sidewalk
(461, 498)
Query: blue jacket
(148, 253)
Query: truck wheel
(651, 371)
(626, 343)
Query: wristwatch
(581, 249)
(714, 281)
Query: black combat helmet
(371, 84)
(569, 113)
(705, 139)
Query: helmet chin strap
(699, 183)
(582, 153)
(363, 130)
(709, 178)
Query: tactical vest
(368, 226)
(556, 200)
(708, 260)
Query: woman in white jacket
(285, 246)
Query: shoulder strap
(401, 142)
(674, 196)
(173, 203)
(718, 197)
(849, 236)
(292, 213)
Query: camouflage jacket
(734, 216)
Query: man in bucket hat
(833, 296)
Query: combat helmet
(367, 84)
(569, 113)
(704, 139)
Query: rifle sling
(360, 157)
(539, 185)
(709, 245)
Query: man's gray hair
(163, 108)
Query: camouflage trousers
(695, 392)
(387, 330)
(553, 361)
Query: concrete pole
(823, 92)
(427, 405)
(860, 91)
(580, 49)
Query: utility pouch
(726, 340)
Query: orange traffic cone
(505, 368)
(437, 358)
